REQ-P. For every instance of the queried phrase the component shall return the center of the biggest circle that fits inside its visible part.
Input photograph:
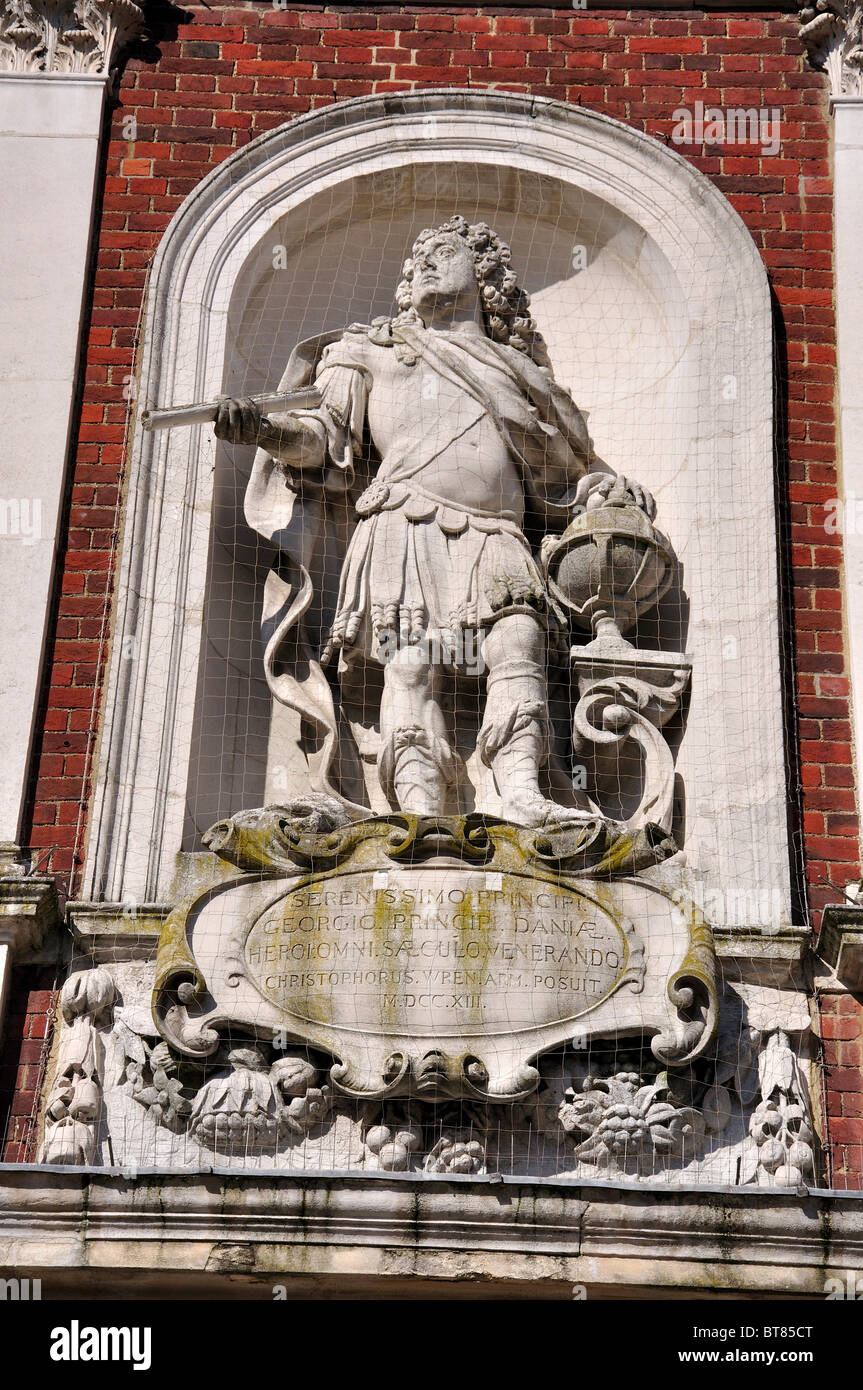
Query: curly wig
(505, 306)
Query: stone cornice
(116, 931)
(831, 31)
(66, 36)
(841, 943)
(28, 911)
(91, 1228)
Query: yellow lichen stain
(438, 951)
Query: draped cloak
(309, 518)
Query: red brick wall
(234, 72)
(23, 1056)
(842, 1055)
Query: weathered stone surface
(437, 955)
(99, 1233)
(840, 944)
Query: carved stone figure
(408, 510)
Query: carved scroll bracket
(626, 697)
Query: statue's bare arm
(299, 441)
(574, 462)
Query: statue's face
(443, 272)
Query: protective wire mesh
(419, 498)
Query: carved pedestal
(626, 698)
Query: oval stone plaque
(435, 953)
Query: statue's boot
(514, 743)
(418, 769)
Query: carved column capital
(832, 33)
(66, 36)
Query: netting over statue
(453, 727)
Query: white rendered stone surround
(50, 127)
(56, 60)
(831, 31)
(848, 213)
(710, 464)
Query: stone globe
(609, 566)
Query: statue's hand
(640, 496)
(238, 420)
(602, 489)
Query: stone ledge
(96, 1230)
(840, 944)
(114, 932)
(758, 957)
(28, 911)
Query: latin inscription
(435, 952)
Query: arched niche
(654, 303)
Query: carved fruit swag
(619, 1123)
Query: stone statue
(407, 510)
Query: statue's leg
(417, 764)
(514, 738)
